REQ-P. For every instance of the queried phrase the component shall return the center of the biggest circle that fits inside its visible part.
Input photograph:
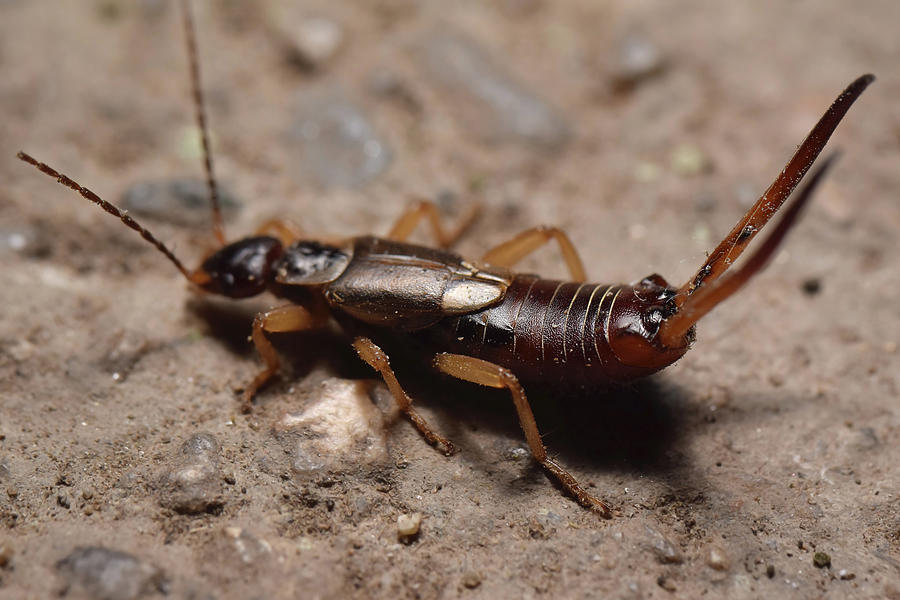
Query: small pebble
(812, 286)
(99, 572)
(472, 579)
(408, 524)
(24, 240)
(866, 438)
(310, 41)
(717, 559)
(666, 583)
(639, 60)
(665, 551)
(689, 160)
(316, 41)
(821, 560)
(248, 548)
(193, 485)
(6, 554)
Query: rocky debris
(124, 349)
(342, 429)
(688, 160)
(247, 547)
(639, 59)
(183, 201)
(315, 42)
(665, 551)
(490, 103)
(24, 239)
(106, 574)
(194, 485)
(408, 525)
(821, 560)
(6, 553)
(340, 146)
(309, 41)
(717, 559)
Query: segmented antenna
(197, 92)
(110, 208)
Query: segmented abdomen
(542, 330)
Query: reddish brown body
(557, 331)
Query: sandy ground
(126, 470)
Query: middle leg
(378, 360)
(512, 251)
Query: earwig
(484, 322)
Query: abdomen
(543, 330)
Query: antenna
(197, 92)
(110, 208)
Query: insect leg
(284, 318)
(378, 360)
(286, 231)
(491, 375)
(512, 251)
(425, 209)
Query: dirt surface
(764, 464)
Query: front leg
(284, 318)
(491, 375)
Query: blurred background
(642, 128)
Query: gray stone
(194, 485)
(491, 104)
(179, 201)
(340, 146)
(665, 551)
(639, 59)
(107, 574)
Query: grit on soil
(763, 464)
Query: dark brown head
(240, 269)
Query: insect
(484, 322)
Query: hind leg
(491, 375)
(512, 251)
